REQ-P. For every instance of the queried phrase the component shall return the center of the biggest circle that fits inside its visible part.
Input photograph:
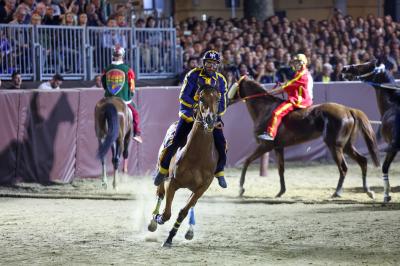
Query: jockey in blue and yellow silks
(188, 99)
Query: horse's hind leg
(337, 154)
(103, 172)
(362, 162)
(183, 213)
(385, 175)
(260, 150)
(116, 160)
(281, 168)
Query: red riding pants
(136, 120)
(277, 115)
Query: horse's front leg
(260, 150)
(160, 196)
(183, 213)
(190, 232)
(385, 175)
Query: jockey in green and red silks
(119, 80)
(188, 99)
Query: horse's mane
(255, 87)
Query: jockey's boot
(222, 182)
(265, 136)
(159, 178)
(138, 138)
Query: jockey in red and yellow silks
(299, 91)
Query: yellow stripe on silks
(300, 96)
(219, 174)
(186, 118)
(185, 103)
(274, 119)
(294, 79)
(163, 171)
(226, 92)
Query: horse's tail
(368, 133)
(111, 116)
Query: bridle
(249, 97)
(210, 118)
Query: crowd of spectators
(263, 49)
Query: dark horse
(113, 124)
(193, 166)
(337, 124)
(376, 75)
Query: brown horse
(337, 124)
(376, 75)
(193, 166)
(113, 125)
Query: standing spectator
(16, 81)
(53, 84)
(20, 16)
(93, 18)
(36, 19)
(50, 18)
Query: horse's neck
(259, 107)
(382, 95)
(199, 141)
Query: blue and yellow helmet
(212, 55)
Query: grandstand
(74, 38)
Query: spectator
(16, 81)
(325, 76)
(97, 82)
(193, 63)
(20, 16)
(82, 20)
(36, 19)
(7, 11)
(50, 18)
(53, 84)
(93, 17)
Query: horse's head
(360, 71)
(207, 109)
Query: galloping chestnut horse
(337, 124)
(113, 125)
(376, 75)
(193, 166)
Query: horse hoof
(371, 194)
(167, 244)
(280, 194)
(152, 227)
(104, 185)
(189, 235)
(386, 199)
(336, 195)
(241, 192)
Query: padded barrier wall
(48, 136)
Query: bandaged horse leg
(104, 175)
(385, 175)
(190, 232)
(183, 213)
(160, 196)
